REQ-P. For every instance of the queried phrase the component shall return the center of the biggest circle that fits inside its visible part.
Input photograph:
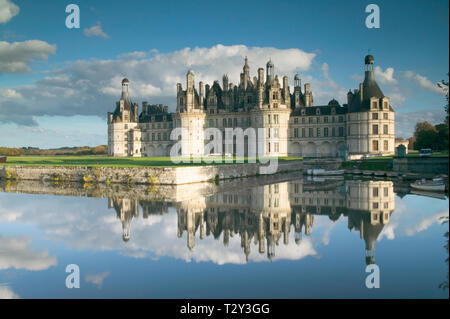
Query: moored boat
(437, 184)
(323, 172)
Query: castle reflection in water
(267, 214)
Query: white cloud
(8, 10)
(9, 94)
(423, 82)
(425, 223)
(91, 87)
(97, 279)
(16, 253)
(385, 77)
(95, 31)
(15, 56)
(6, 292)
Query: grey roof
(324, 110)
(370, 90)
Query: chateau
(266, 215)
(293, 125)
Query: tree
(442, 141)
(444, 86)
(426, 136)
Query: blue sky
(56, 89)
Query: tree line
(75, 151)
(427, 135)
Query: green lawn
(382, 163)
(93, 161)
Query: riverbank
(175, 175)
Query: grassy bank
(381, 163)
(93, 161)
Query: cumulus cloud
(7, 293)
(91, 87)
(8, 10)
(17, 254)
(97, 279)
(15, 57)
(95, 31)
(94, 227)
(385, 77)
(9, 94)
(423, 82)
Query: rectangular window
(375, 192)
(303, 120)
(325, 132)
(385, 129)
(310, 120)
(296, 120)
(318, 132)
(296, 132)
(375, 129)
(374, 145)
(385, 105)
(333, 132)
(303, 132)
(385, 116)
(275, 132)
(374, 116)
(325, 119)
(269, 119)
(386, 145)
(341, 131)
(374, 105)
(310, 132)
(386, 191)
(341, 119)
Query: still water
(252, 238)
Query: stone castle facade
(293, 125)
(266, 215)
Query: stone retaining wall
(425, 165)
(140, 175)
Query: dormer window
(303, 111)
(385, 105)
(318, 111)
(374, 105)
(333, 111)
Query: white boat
(322, 172)
(437, 184)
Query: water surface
(290, 238)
